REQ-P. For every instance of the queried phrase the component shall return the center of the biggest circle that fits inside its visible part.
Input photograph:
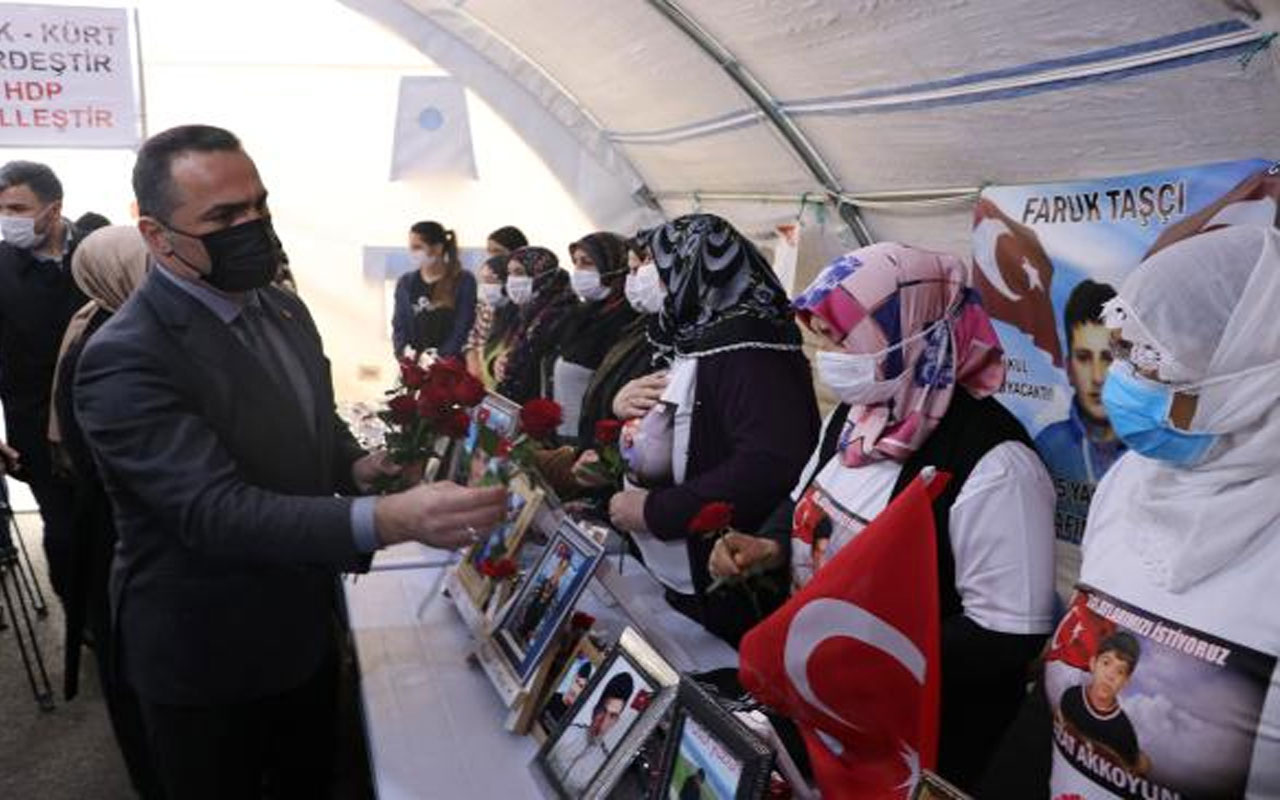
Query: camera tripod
(22, 598)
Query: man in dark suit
(208, 405)
(37, 299)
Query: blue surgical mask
(1139, 412)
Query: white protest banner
(66, 77)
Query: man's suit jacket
(231, 536)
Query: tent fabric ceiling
(890, 94)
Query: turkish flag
(1013, 274)
(853, 657)
(1079, 634)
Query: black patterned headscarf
(721, 294)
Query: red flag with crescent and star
(853, 657)
(1013, 273)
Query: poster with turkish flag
(1045, 259)
(853, 657)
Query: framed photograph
(710, 754)
(565, 687)
(613, 716)
(494, 419)
(503, 541)
(546, 597)
(932, 787)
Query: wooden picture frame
(627, 698)
(530, 622)
(711, 752)
(494, 419)
(504, 540)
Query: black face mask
(242, 257)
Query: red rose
(711, 518)
(412, 375)
(498, 569)
(641, 701)
(540, 417)
(504, 447)
(469, 391)
(403, 408)
(607, 431)
(446, 373)
(581, 621)
(433, 402)
(455, 424)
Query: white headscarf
(1204, 311)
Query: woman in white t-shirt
(914, 359)
(1181, 552)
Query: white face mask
(520, 289)
(20, 232)
(852, 376)
(420, 259)
(586, 282)
(644, 290)
(491, 295)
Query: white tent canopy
(899, 109)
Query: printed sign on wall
(66, 77)
(1046, 257)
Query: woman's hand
(626, 510)
(588, 471)
(638, 396)
(737, 555)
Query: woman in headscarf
(734, 423)
(108, 266)
(541, 290)
(500, 244)
(599, 279)
(573, 471)
(914, 360)
(1175, 603)
(501, 317)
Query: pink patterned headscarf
(886, 294)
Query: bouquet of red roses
(427, 402)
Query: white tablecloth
(433, 720)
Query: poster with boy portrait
(1146, 707)
(1045, 259)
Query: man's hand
(638, 396)
(443, 515)
(736, 555)
(626, 510)
(367, 470)
(10, 460)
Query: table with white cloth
(433, 721)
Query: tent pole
(769, 106)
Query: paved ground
(69, 752)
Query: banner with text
(66, 77)
(1046, 257)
